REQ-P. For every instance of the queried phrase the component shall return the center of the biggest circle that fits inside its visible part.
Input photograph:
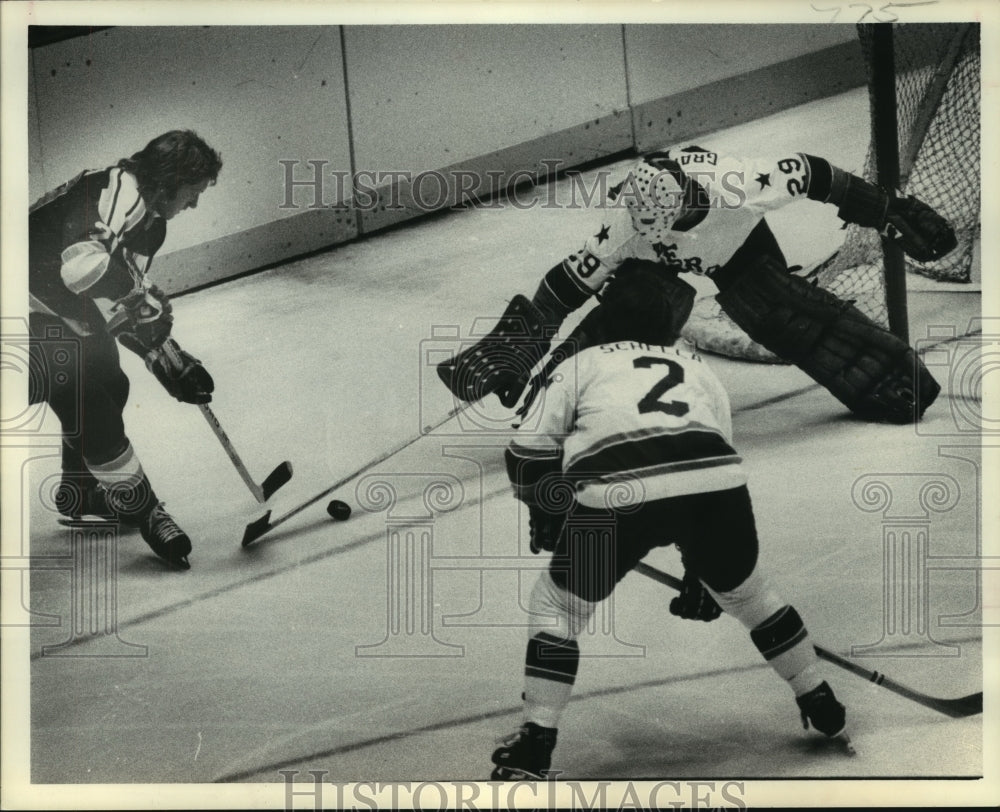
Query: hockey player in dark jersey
(91, 242)
(696, 211)
(639, 429)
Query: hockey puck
(339, 510)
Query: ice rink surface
(299, 653)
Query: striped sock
(785, 644)
(550, 668)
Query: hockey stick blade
(955, 708)
(256, 529)
(259, 527)
(278, 477)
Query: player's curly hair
(646, 302)
(174, 159)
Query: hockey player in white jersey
(696, 211)
(640, 429)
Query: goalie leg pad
(501, 361)
(867, 368)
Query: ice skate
(79, 497)
(820, 707)
(79, 493)
(166, 539)
(525, 755)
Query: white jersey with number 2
(651, 422)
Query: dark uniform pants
(715, 532)
(81, 379)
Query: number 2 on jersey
(651, 400)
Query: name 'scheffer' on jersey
(654, 416)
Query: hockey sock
(129, 491)
(784, 642)
(775, 628)
(550, 666)
(752, 602)
(553, 655)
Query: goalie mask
(654, 200)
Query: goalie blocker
(868, 369)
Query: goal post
(925, 87)
(885, 145)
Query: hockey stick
(278, 477)
(264, 525)
(956, 708)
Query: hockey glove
(920, 231)
(545, 529)
(186, 379)
(143, 320)
(694, 601)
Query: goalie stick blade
(256, 529)
(276, 479)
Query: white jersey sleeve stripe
(121, 206)
(83, 264)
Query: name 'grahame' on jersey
(655, 416)
(689, 208)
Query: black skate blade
(256, 529)
(502, 773)
(86, 518)
(177, 562)
(180, 563)
(278, 477)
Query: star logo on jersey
(764, 179)
(603, 234)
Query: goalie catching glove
(181, 374)
(919, 230)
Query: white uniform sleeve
(557, 417)
(770, 183)
(614, 237)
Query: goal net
(937, 76)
